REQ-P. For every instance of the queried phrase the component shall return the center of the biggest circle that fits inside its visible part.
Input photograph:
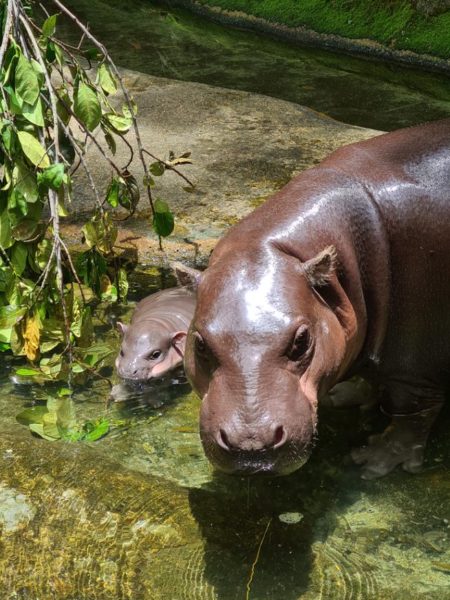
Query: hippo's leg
(414, 410)
(353, 392)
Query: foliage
(57, 420)
(54, 99)
(420, 26)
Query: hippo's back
(174, 305)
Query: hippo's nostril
(280, 437)
(222, 440)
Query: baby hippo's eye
(300, 344)
(121, 353)
(155, 354)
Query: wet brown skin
(344, 271)
(154, 341)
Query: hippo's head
(266, 340)
(147, 351)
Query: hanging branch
(49, 104)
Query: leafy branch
(55, 98)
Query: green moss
(392, 22)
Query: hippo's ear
(179, 342)
(320, 269)
(187, 276)
(121, 327)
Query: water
(141, 515)
(177, 45)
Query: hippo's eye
(200, 346)
(155, 354)
(300, 345)
(121, 353)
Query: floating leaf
(95, 430)
(163, 221)
(33, 149)
(34, 414)
(87, 106)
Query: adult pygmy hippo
(344, 271)
(153, 343)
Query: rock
(244, 147)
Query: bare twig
(6, 31)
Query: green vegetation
(54, 99)
(396, 23)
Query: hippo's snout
(270, 451)
(233, 440)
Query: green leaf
(49, 26)
(10, 315)
(34, 414)
(91, 266)
(17, 206)
(64, 392)
(33, 149)
(110, 141)
(19, 256)
(39, 430)
(27, 82)
(91, 54)
(6, 239)
(9, 64)
(95, 430)
(157, 168)
(106, 79)
(34, 113)
(62, 105)
(87, 107)
(122, 281)
(24, 181)
(118, 123)
(26, 372)
(53, 176)
(163, 220)
(112, 194)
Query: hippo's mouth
(264, 463)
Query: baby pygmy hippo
(153, 342)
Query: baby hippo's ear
(187, 276)
(179, 342)
(121, 327)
